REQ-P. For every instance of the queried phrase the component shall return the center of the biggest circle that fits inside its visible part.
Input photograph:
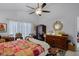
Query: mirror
(57, 26)
(77, 30)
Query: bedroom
(16, 19)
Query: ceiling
(20, 11)
(22, 6)
(16, 6)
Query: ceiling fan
(39, 9)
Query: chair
(18, 36)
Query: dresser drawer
(57, 41)
(50, 42)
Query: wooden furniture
(7, 38)
(57, 41)
(40, 31)
(2, 40)
(18, 36)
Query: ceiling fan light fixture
(38, 11)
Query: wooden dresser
(57, 41)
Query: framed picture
(3, 27)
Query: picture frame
(3, 27)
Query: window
(20, 27)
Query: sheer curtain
(20, 27)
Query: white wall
(5, 16)
(26, 17)
(67, 13)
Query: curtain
(20, 27)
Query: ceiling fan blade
(31, 12)
(46, 11)
(30, 7)
(43, 5)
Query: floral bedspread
(20, 48)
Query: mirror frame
(58, 23)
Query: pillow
(28, 37)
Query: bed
(31, 47)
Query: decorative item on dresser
(57, 41)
